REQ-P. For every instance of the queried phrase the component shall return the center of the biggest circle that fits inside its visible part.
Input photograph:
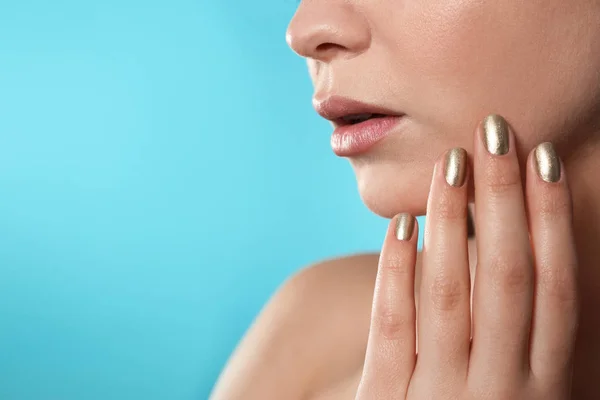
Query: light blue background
(162, 172)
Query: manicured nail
(455, 168)
(547, 162)
(405, 225)
(495, 134)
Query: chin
(388, 189)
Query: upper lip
(334, 108)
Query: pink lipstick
(358, 126)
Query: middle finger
(503, 288)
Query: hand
(524, 305)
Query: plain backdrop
(162, 172)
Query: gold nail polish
(547, 162)
(495, 134)
(455, 168)
(405, 224)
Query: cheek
(438, 56)
(441, 48)
(466, 59)
(440, 41)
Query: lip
(353, 139)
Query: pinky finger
(390, 357)
(556, 306)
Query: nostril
(324, 47)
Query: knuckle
(511, 276)
(559, 285)
(395, 264)
(447, 294)
(554, 205)
(392, 324)
(502, 178)
(447, 208)
(391, 259)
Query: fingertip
(548, 193)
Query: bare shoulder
(312, 333)
(335, 282)
(309, 341)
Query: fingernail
(495, 134)
(405, 224)
(547, 162)
(455, 168)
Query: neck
(582, 170)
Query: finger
(555, 306)
(503, 289)
(444, 318)
(390, 356)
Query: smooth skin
(516, 341)
(535, 263)
(524, 312)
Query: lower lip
(350, 140)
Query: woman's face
(444, 65)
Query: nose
(327, 29)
